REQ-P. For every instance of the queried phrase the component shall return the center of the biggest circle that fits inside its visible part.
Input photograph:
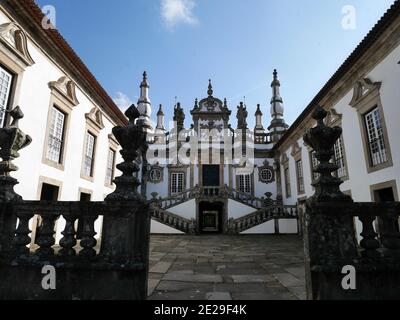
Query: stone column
(329, 235)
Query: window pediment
(113, 141)
(362, 89)
(333, 117)
(96, 118)
(284, 159)
(15, 40)
(296, 149)
(65, 88)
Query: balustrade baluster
(45, 235)
(68, 241)
(22, 238)
(369, 242)
(88, 242)
(389, 234)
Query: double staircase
(265, 209)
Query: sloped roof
(31, 16)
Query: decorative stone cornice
(14, 39)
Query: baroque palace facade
(218, 175)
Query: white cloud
(176, 12)
(122, 101)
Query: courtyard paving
(254, 267)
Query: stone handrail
(176, 199)
(261, 216)
(383, 241)
(212, 192)
(247, 199)
(262, 138)
(172, 220)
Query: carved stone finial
(160, 111)
(12, 139)
(132, 138)
(322, 140)
(258, 111)
(144, 82)
(210, 88)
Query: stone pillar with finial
(131, 138)
(329, 235)
(126, 226)
(12, 139)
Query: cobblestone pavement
(259, 267)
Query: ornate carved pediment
(296, 149)
(333, 117)
(210, 108)
(211, 125)
(177, 166)
(362, 89)
(95, 117)
(66, 88)
(14, 38)
(113, 140)
(284, 158)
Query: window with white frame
(339, 158)
(375, 136)
(177, 182)
(245, 184)
(89, 155)
(55, 142)
(5, 88)
(300, 176)
(110, 166)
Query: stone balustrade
(331, 238)
(115, 268)
(261, 216)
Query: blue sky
(236, 43)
